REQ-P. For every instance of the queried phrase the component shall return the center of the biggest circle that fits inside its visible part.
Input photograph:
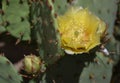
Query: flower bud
(32, 64)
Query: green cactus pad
(16, 18)
(8, 74)
(105, 11)
(99, 71)
(47, 33)
(2, 28)
(60, 9)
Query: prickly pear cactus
(16, 18)
(46, 23)
(99, 71)
(8, 74)
(47, 33)
(105, 12)
(19, 15)
(99, 8)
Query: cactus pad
(8, 74)
(47, 33)
(16, 18)
(98, 71)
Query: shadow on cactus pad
(68, 68)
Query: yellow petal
(80, 30)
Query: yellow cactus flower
(80, 30)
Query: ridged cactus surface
(47, 33)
